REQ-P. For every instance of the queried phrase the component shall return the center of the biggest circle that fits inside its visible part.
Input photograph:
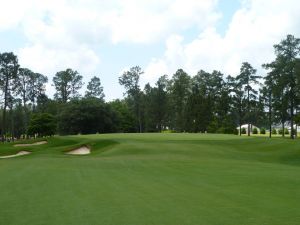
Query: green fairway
(162, 179)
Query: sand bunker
(83, 150)
(15, 155)
(32, 144)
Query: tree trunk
(292, 121)
(292, 113)
(240, 117)
(33, 105)
(4, 110)
(25, 113)
(12, 125)
(138, 108)
(248, 129)
(140, 122)
(296, 130)
(248, 113)
(3, 122)
(270, 116)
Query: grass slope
(148, 179)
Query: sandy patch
(15, 155)
(32, 144)
(83, 150)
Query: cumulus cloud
(70, 33)
(41, 58)
(132, 21)
(254, 29)
(65, 33)
(146, 21)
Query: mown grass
(153, 179)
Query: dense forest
(206, 102)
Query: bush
(236, 131)
(262, 130)
(87, 116)
(274, 131)
(254, 131)
(286, 131)
(43, 125)
(243, 130)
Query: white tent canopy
(246, 127)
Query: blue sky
(104, 38)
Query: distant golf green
(145, 179)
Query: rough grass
(153, 179)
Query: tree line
(206, 102)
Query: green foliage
(42, 124)
(213, 127)
(179, 92)
(206, 102)
(255, 131)
(245, 82)
(87, 116)
(274, 131)
(130, 80)
(243, 130)
(168, 131)
(125, 120)
(67, 84)
(8, 82)
(286, 131)
(155, 104)
(297, 119)
(94, 89)
(284, 75)
(263, 130)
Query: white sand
(36, 143)
(15, 155)
(83, 150)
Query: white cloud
(132, 21)
(146, 21)
(253, 31)
(69, 33)
(65, 33)
(154, 70)
(48, 61)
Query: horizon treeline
(206, 102)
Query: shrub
(43, 124)
(243, 130)
(227, 130)
(236, 131)
(254, 131)
(262, 130)
(274, 131)
(286, 131)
